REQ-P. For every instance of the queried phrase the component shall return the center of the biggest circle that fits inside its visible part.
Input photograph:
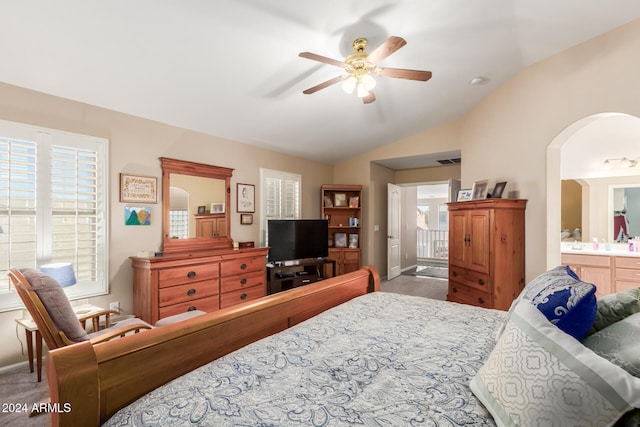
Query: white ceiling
(230, 68)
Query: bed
(334, 353)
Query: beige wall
(504, 138)
(135, 145)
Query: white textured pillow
(539, 375)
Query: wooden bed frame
(88, 384)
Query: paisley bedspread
(381, 359)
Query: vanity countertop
(617, 249)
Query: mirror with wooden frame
(195, 206)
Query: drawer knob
(481, 282)
(191, 274)
(191, 292)
(243, 266)
(455, 290)
(481, 300)
(243, 281)
(243, 296)
(455, 274)
(192, 308)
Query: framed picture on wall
(138, 188)
(246, 219)
(246, 198)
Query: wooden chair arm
(118, 332)
(95, 318)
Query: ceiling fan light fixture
(368, 82)
(362, 91)
(349, 84)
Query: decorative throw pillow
(619, 343)
(614, 307)
(538, 375)
(563, 298)
(57, 304)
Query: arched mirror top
(195, 206)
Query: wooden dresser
(203, 280)
(486, 252)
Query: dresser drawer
(243, 295)
(468, 295)
(628, 274)
(191, 273)
(242, 281)
(242, 265)
(471, 278)
(591, 260)
(627, 262)
(187, 292)
(625, 286)
(204, 304)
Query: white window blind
(280, 197)
(53, 191)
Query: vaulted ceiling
(230, 68)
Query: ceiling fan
(361, 66)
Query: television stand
(289, 275)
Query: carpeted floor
(21, 387)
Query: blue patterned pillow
(564, 299)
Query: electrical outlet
(114, 306)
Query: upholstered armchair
(52, 312)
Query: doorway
(426, 237)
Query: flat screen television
(296, 239)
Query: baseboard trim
(15, 367)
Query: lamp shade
(61, 271)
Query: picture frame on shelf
(340, 240)
(246, 219)
(353, 241)
(464, 195)
(202, 210)
(498, 190)
(340, 200)
(479, 190)
(354, 202)
(138, 188)
(328, 203)
(217, 208)
(246, 200)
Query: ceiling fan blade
(389, 46)
(323, 59)
(369, 98)
(401, 73)
(324, 85)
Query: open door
(393, 231)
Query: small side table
(31, 329)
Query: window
(53, 206)
(280, 198)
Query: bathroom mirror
(195, 206)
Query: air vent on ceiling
(449, 161)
